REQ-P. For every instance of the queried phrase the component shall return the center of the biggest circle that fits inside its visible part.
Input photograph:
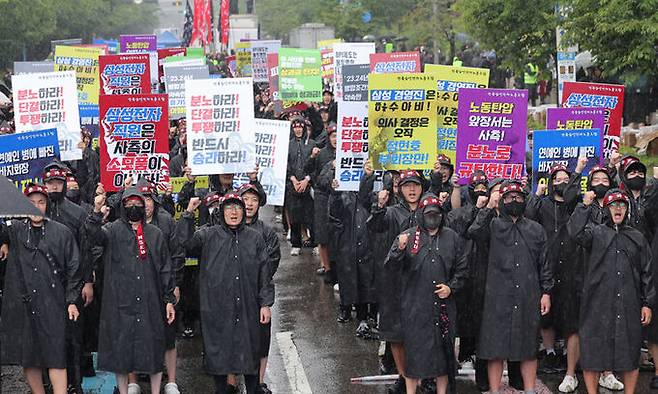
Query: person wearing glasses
(518, 286)
(618, 290)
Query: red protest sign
(134, 139)
(599, 95)
(396, 62)
(125, 74)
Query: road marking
(292, 363)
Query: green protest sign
(300, 77)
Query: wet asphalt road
(329, 352)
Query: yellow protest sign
(328, 44)
(449, 80)
(243, 58)
(177, 184)
(402, 121)
(84, 61)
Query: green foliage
(519, 31)
(31, 25)
(622, 34)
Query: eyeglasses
(233, 207)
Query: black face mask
(135, 213)
(514, 208)
(636, 183)
(73, 195)
(560, 188)
(432, 220)
(475, 195)
(600, 190)
(56, 196)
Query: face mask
(73, 195)
(56, 196)
(135, 213)
(514, 208)
(432, 220)
(560, 188)
(600, 190)
(475, 195)
(636, 183)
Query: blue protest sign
(24, 155)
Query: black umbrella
(13, 204)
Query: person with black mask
(469, 299)
(552, 211)
(618, 290)
(433, 270)
(138, 290)
(444, 183)
(392, 220)
(41, 296)
(643, 198)
(519, 282)
(236, 290)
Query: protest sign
(24, 155)
(492, 133)
(112, 45)
(273, 79)
(351, 144)
(575, 118)
(89, 120)
(449, 80)
(328, 44)
(134, 140)
(175, 78)
(259, 51)
(199, 52)
(84, 61)
(33, 67)
(164, 53)
(598, 95)
(125, 74)
(355, 82)
(272, 159)
(68, 41)
(49, 101)
(185, 61)
(402, 121)
(131, 43)
(349, 53)
(327, 68)
(200, 190)
(243, 58)
(232, 65)
(104, 48)
(220, 125)
(566, 59)
(564, 147)
(395, 62)
(299, 75)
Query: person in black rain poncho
(519, 282)
(299, 203)
(471, 297)
(393, 220)
(138, 290)
(235, 288)
(433, 268)
(251, 196)
(42, 288)
(552, 211)
(618, 290)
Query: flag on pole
(201, 29)
(224, 12)
(187, 28)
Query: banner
(243, 58)
(273, 79)
(492, 133)
(162, 55)
(327, 68)
(449, 80)
(49, 101)
(112, 45)
(89, 120)
(24, 155)
(598, 95)
(175, 78)
(565, 147)
(349, 53)
(299, 75)
(220, 125)
(84, 61)
(33, 67)
(259, 51)
(272, 159)
(125, 74)
(355, 82)
(131, 43)
(202, 27)
(351, 144)
(402, 121)
(575, 118)
(224, 12)
(134, 139)
(395, 62)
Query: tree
(622, 34)
(517, 30)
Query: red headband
(443, 159)
(479, 178)
(231, 196)
(430, 201)
(616, 196)
(558, 167)
(213, 198)
(35, 189)
(55, 173)
(133, 198)
(409, 173)
(512, 187)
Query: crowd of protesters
(418, 260)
